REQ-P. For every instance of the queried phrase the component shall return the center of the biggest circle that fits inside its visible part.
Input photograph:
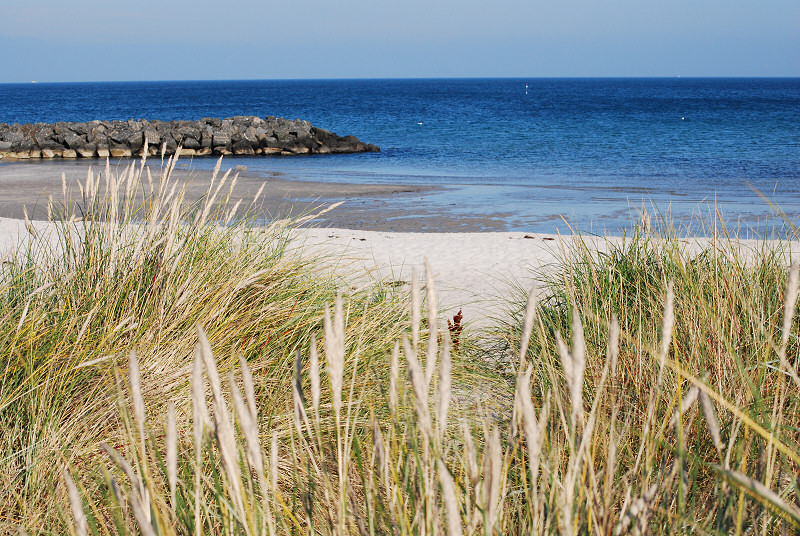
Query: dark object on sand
(455, 329)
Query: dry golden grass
(170, 366)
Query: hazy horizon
(398, 78)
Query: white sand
(473, 271)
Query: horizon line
(408, 78)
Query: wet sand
(375, 207)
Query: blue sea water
(593, 151)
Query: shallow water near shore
(592, 152)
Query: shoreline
(371, 206)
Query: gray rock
(243, 147)
(152, 137)
(243, 135)
(221, 138)
(13, 136)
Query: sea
(539, 154)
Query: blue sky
(92, 40)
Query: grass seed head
(273, 461)
(527, 324)
(223, 426)
(666, 326)
(420, 388)
(172, 452)
(334, 351)
(712, 423)
(492, 476)
(200, 417)
(433, 320)
(249, 388)
(134, 380)
(78, 515)
(613, 343)
(452, 510)
(470, 455)
(394, 378)
(313, 372)
(530, 424)
(250, 430)
(416, 309)
(445, 386)
(790, 303)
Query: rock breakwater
(241, 135)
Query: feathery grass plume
(578, 366)
(28, 225)
(313, 372)
(667, 324)
(172, 453)
(574, 365)
(140, 494)
(200, 417)
(452, 511)
(226, 438)
(250, 430)
(334, 351)
(136, 395)
(635, 518)
(381, 454)
(78, 515)
(445, 387)
(298, 401)
(492, 477)
(530, 424)
(789, 304)
(420, 388)
(688, 400)
(527, 325)
(712, 423)
(470, 455)
(249, 388)
(433, 332)
(141, 512)
(273, 462)
(416, 309)
(394, 378)
(760, 492)
(613, 343)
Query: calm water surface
(593, 151)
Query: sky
(92, 40)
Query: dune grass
(124, 264)
(165, 374)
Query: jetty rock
(241, 135)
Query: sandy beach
(375, 234)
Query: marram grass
(131, 266)
(164, 374)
